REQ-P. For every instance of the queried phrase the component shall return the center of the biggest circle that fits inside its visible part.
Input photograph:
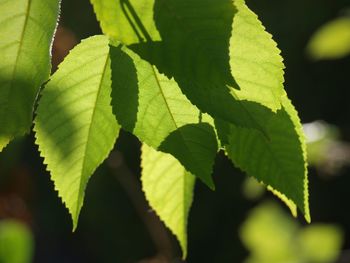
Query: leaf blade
(159, 114)
(195, 146)
(169, 190)
(75, 127)
(156, 107)
(255, 60)
(196, 54)
(25, 46)
(278, 161)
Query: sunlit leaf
(75, 127)
(169, 190)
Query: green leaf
(16, 242)
(75, 127)
(192, 47)
(321, 243)
(279, 160)
(255, 60)
(331, 41)
(147, 103)
(159, 114)
(120, 19)
(269, 234)
(272, 237)
(195, 146)
(26, 32)
(4, 140)
(169, 190)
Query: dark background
(112, 227)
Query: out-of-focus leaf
(321, 243)
(272, 236)
(16, 242)
(331, 41)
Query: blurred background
(239, 222)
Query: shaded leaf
(192, 47)
(26, 32)
(195, 146)
(145, 101)
(159, 114)
(278, 161)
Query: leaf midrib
(163, 96)
(6, 106)
(89, 134)
(170, 112)
(171, 13)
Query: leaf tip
(74, 221)
(4, 141)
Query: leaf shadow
(125, 88)
(17, 99)
(54, 124)
(195, 146)
(194, 50)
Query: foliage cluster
(187, 77)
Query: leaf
(255, 60)
(169, 190)
(26, 32)
(75, 127)
(321, 243)
(155, 106)
(278, 161)
(17, 242)
(192, 47)
(195, 146)
(331, 41)
(120, 19)
(159, 114)
(4, 140)
(271, 236)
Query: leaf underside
(26, 32)
(75, 127)
(169, 190)
(255, 60)
(188, 40)
(155, 106)
(159, 114)
(278, 161)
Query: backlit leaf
(75, 127)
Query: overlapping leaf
(75, 127)
(195, 146)
(278, 160)
(255, 60)
(159, 114)
(169, 190)
(26, 31)
(127, 21)
(194, 45)
(145, 101)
